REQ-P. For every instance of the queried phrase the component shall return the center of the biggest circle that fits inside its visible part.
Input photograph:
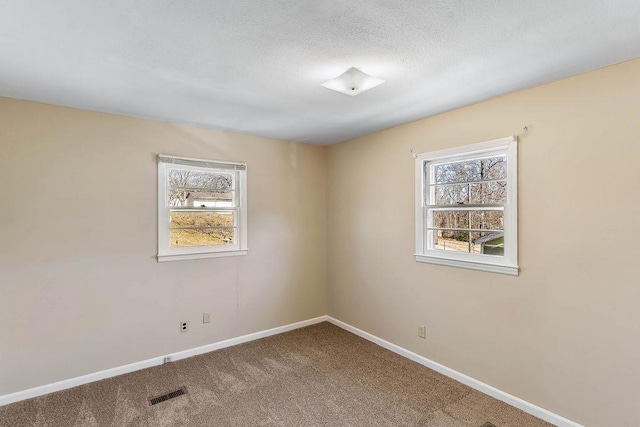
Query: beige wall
(80, 290)
(565, 334)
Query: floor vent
(167, 396)
(488, 424)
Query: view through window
(467, 214)
(202, 208)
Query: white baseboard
(523, 405)
(108, 373)
(527, 407)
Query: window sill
(181, 257)
(470, 265)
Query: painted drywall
(564, 334)
(80, 289)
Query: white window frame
(507, 264)
(239, 247)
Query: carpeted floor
(315, 376)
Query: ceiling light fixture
(353, 82)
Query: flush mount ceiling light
(353, 82)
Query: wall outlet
(206, 317)
(184, 326)
(422, 331)
(166, 359)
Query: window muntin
(201, 208)
(466, 206)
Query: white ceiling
(255, 66)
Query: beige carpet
(316, 376)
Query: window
(466, 207)
(202, 208)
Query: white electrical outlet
(184, 326)
(206, 317)
(422, 331)
(166, 359)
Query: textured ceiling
(255, 66)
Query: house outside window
(202, 208)
(466, 207)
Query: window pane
(491, 220)
(494, 167)
(446, 240)
(457, 172)
(182, 178)
(451, 194)
(488, 192)
(201, 219)
(201, 237)
(488, 243)
(201, 198)
(491, 168)
(451, 219)
(190, 188)
(210, 180)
